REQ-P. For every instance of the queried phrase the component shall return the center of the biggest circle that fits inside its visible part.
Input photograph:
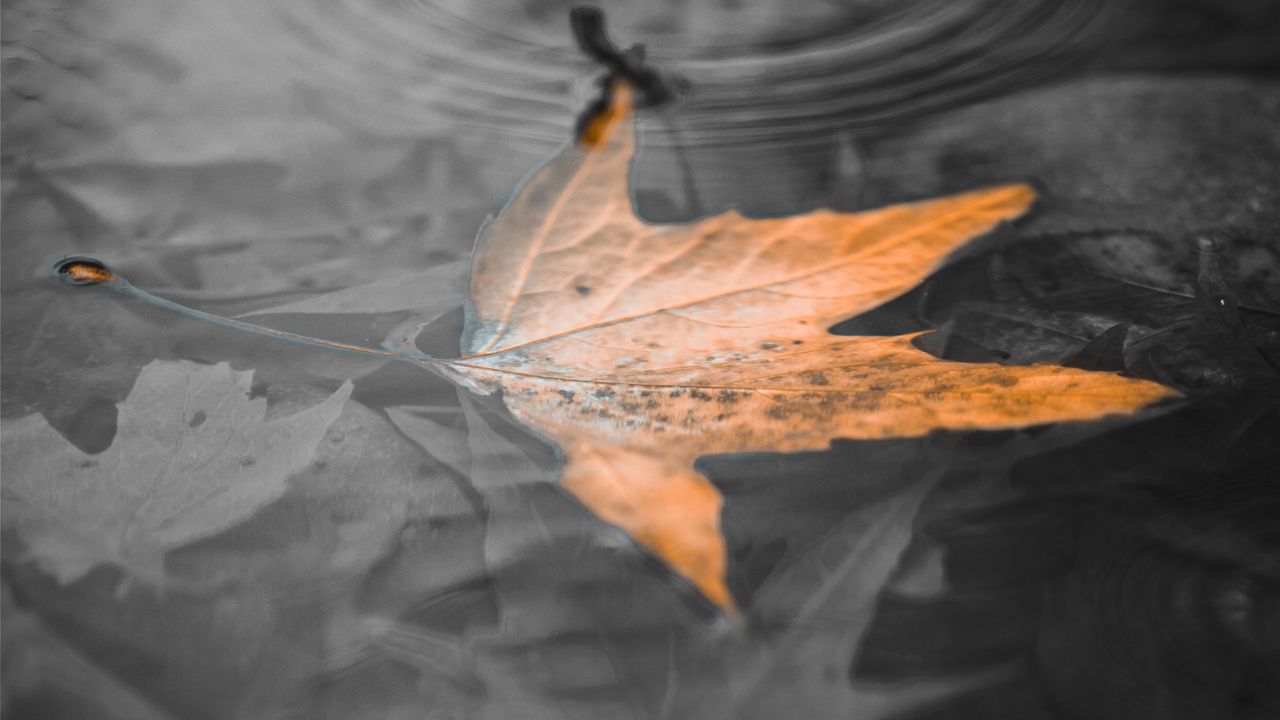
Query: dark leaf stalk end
(652, 89)
(82, 270)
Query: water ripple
(760, 74)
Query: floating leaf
(638, 348)
(193, 455)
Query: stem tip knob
(79, 270)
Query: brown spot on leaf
(728, 397)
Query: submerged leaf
(843, 576)
(428, 293)
(1191, 315)
(39, 664)
(193, 455)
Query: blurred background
(239, 155)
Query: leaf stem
(81, 270)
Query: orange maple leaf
(637, 348)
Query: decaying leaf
(845, 573)
(637, 348)
(193, 455)
(1176, 153)
(1162, 308)
(36, 660)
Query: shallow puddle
(203, 522)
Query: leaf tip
(1020, 196)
